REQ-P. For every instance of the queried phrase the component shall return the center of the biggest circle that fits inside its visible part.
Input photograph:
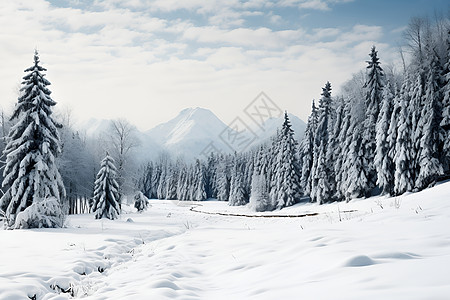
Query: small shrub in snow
(41, 214)
(140, 202)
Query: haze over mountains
(190, 133)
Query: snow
(377, 248)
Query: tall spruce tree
(307, 150)
(259, 196)
(33, 142)
(374, 89)
(287, 169)
(429, 156)
(445, 122)
(237, 192)
(321, 190)
(402, 152)
(383, 156)
(106, 191)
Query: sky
(146, 60)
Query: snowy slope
(377, 248)
(94, 128)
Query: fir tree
(199, 182)
(223, 179)
(383, 158)
(237, 193)
(354, 180)
(307, 150)
(287, 170)
(106, 191)
(445, 122)
(374, 89)
(33, 142)
(429, 156)
(403, 179)
(321, 191)
(344, 139)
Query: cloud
(261, 37)
(128, 59)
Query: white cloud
(121, 59)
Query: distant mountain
(189, 133)
(93, 128)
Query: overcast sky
(145, 60)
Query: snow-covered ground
(378, 248)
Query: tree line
(387, 133)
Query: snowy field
(378, 248)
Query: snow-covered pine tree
(259, 195)
(374, 89)
(211, 176)
(199, 182)
(321, 191)
(171, 186)
(237, 193)
(162, 184)
(354, 181)
(259, 199)
(416, 127)
(403, 179)
(182, 181)
(223, 179)
(445, 122)
(106, 191)
(155, 179)
(383, 159)
(287, 170)
(344, 140)
(145, 181)
(31, 175)
(307, 149)
(429, 156)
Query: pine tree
(416, 126)
(383, 158)
(344, 140)
(445, 122)
(402, 156)
(307, 150)
(287, 171)
(237, 193)
(374, 89)
(171, 186)
(199, 185)
(429, 156)
(33, 142)
(106, 191)
(321, 191)
(223, 179)
(354, 180)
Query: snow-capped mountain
(189, 133)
